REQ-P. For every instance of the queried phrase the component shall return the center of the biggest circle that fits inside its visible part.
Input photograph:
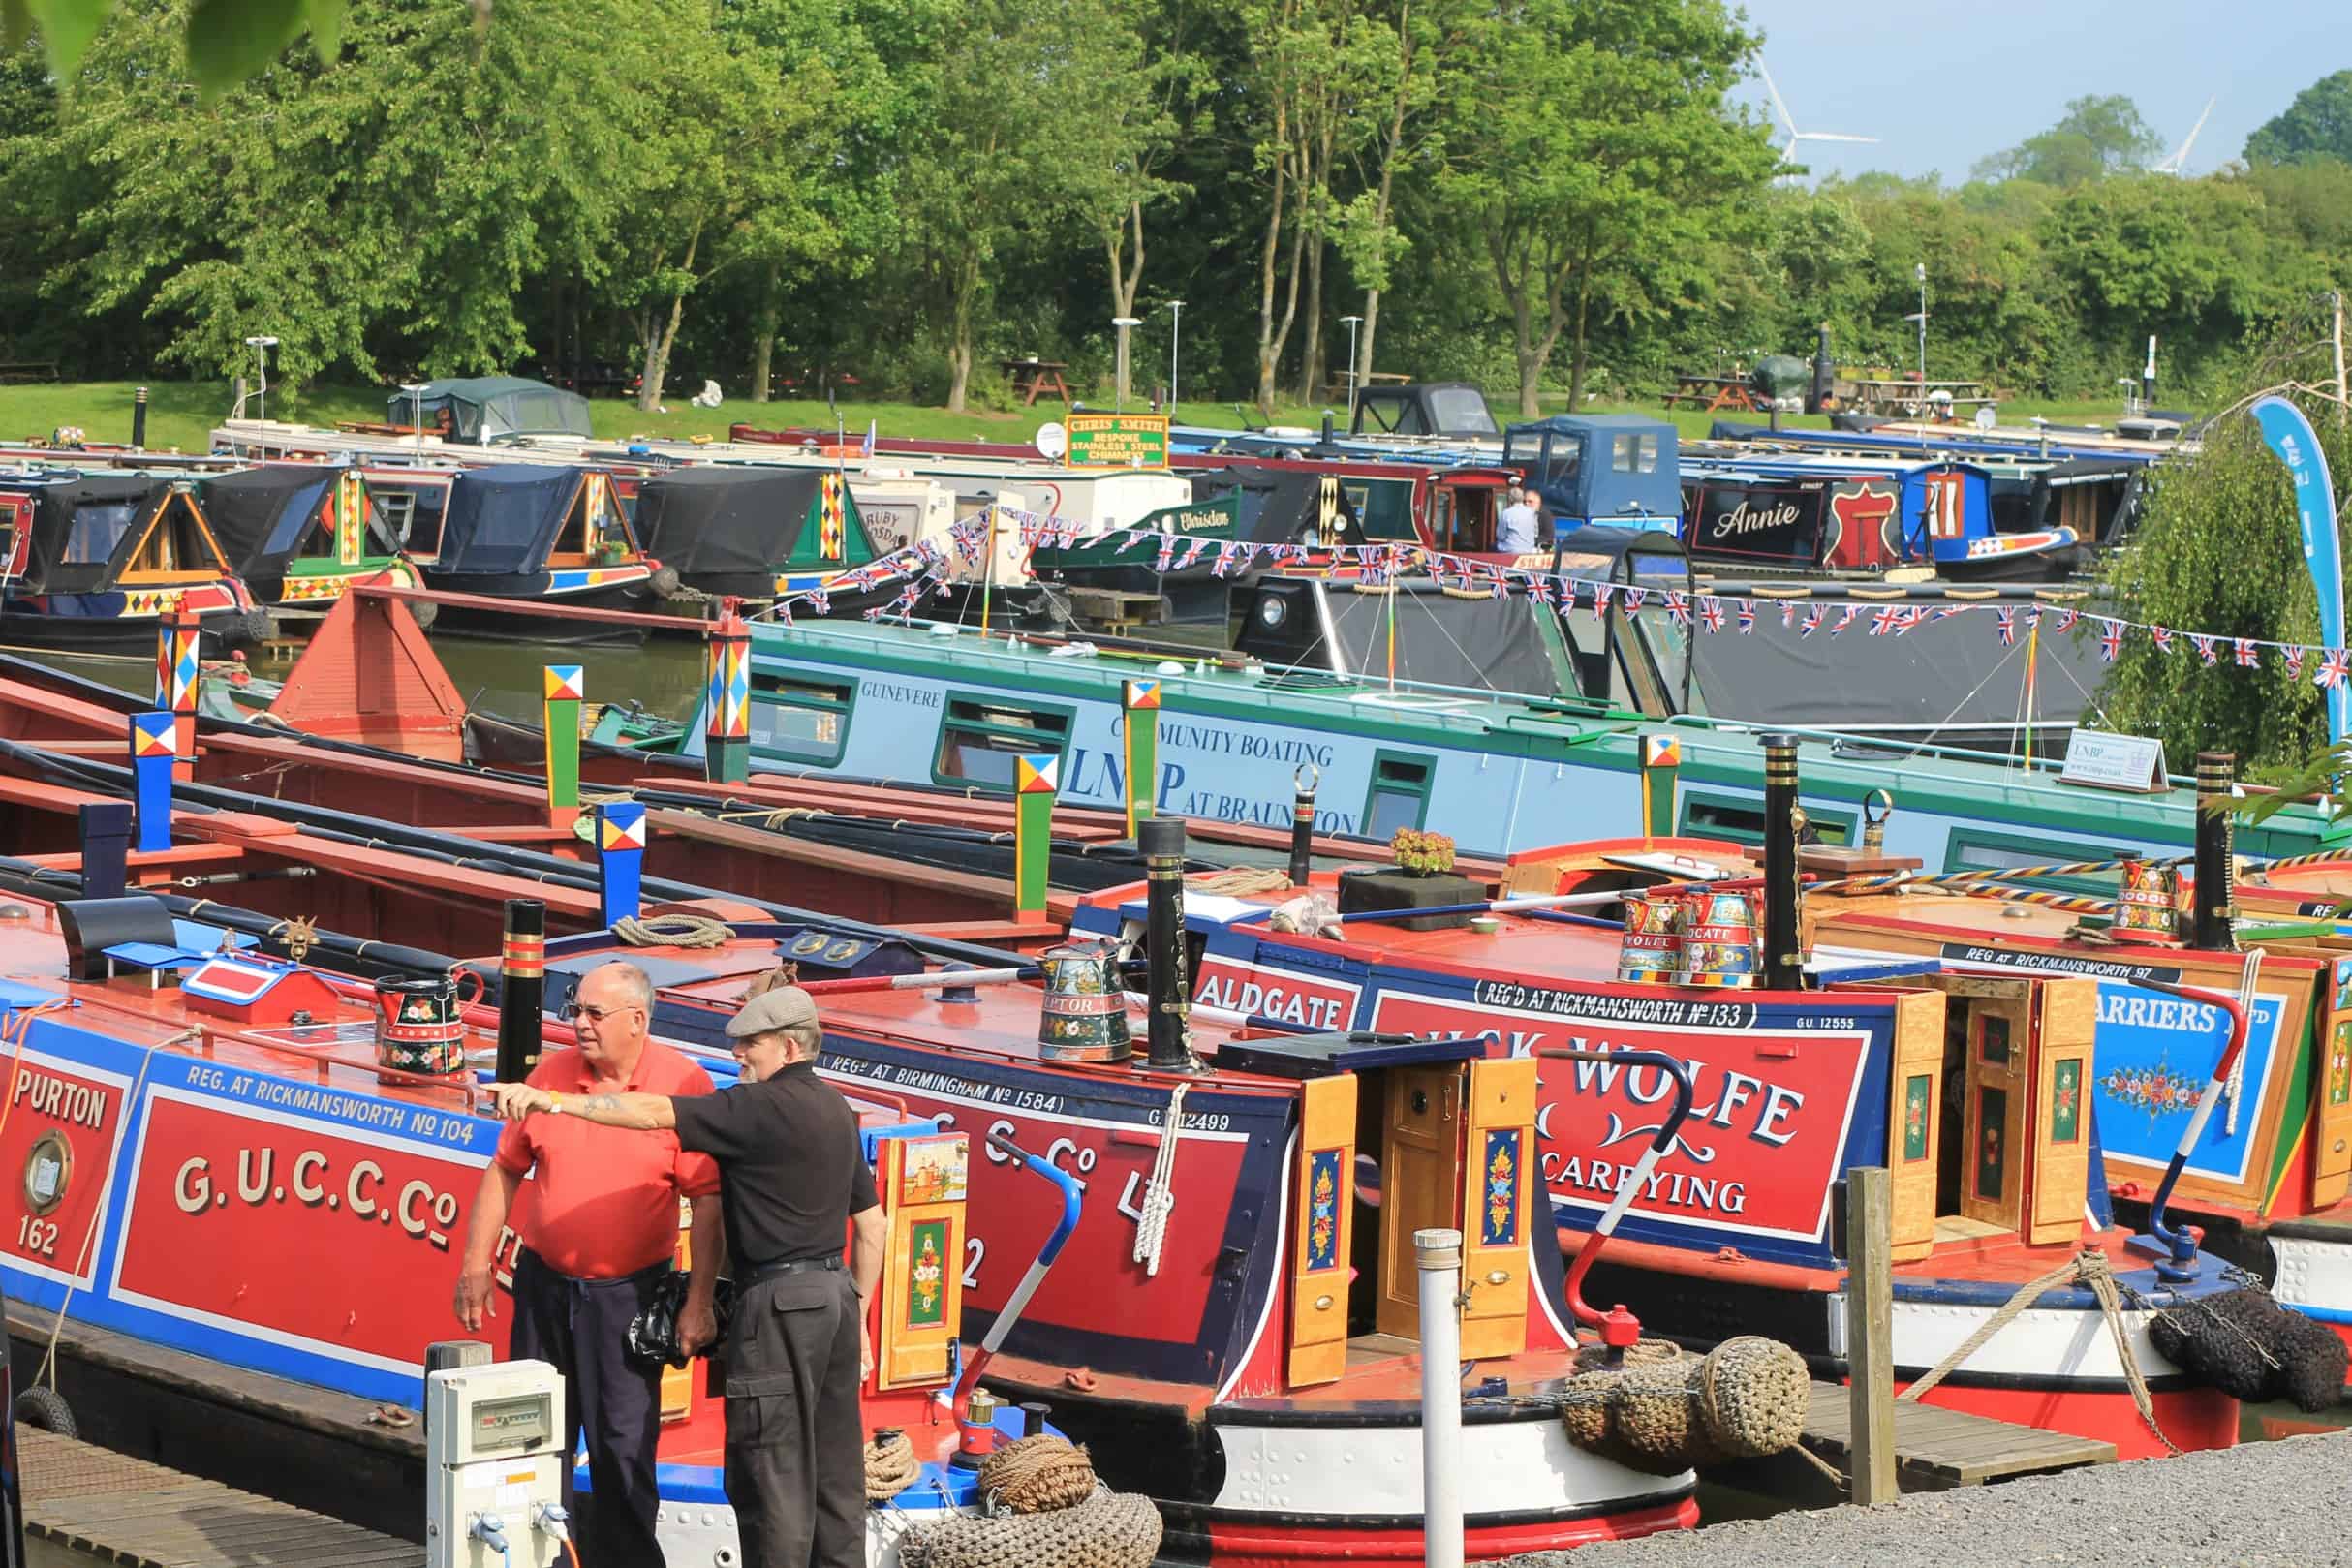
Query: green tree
(2318, 124)
(1588, 150)
(225, 40)
(2098, 136)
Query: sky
(1942, 87)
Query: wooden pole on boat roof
(1661, 763)
(727, 702)
(566, 684)
(1869, 1330)
(1140, 724)
(2215, 896)
(179, 668)
(1036, 778)
(154, 755)
(1162, 841)
(1783, 824)
(522, 988)
(620, 843)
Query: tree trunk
(1126, 281)
(1360, 372)
(763, 337)
(959, 351)
(659, 342)
(1310, 367)
(1577, 355)
(1269, 349)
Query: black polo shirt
(791, 1172)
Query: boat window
(1742, 822)
(981, 738)
(1462, 411)
(1976, 849)
(800, 720)
(1399, 796)
(95, 534)
(1635, 454)
(1561, 462)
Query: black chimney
(2209, 917)
(1162, 840)
(522, 988)
(1783, 821)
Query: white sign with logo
(2107, 761)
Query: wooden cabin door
(1420, 1182)
(2063, 1030)
(1998, 1085)
(1325, 1207)
(2332, 1151)
(1497, 1196)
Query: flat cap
(780, 1008)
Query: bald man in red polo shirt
(602, 1232)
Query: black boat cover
(261, 516)
(504, 521)
(86, 529)
(718, 522)
(484, 408)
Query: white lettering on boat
(418, 1208)
(60, 1099)
(1272, 1001)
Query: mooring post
(565, 687)
(1869, 1330)
(2214, 903)
(1141, 722)
(620, 843)
(1166, 988)
(522, 988)
(139, 420)
(726, 699)
(179, 668)
(1036, 778)
(154, 756)
(1439, 1255)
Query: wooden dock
(1936, 1449)
(125, 1510)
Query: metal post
(620, 843)
(1439, 1255)
(1869, 1331)
(139, 420)
(2148, 378)
(1162, 841)
(1783, 821)
(726, 703)
(1175, 351)
(565, 687)
(1922, 273)
(1140, 730)
(154, 749)
(1302, 823)
(522, 988)
(1035, 780)
(1354, 371)
(2211, 920)
(178, 670)
(105, 849)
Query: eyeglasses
(573, 1011)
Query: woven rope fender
(1036, 1475)
(1110, 1529)
(890, 1467)
(1753, 1397)
(2252, 1348)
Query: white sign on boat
(2107, 761)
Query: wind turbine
(2178, 163)
(1788, 153)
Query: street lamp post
(1123, 323)
(261, 347)
(1354, 374)
(1920, 271)
(1175, 351)
(415, 391)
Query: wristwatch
(555, 1103)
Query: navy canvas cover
(502, 521)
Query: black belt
(760, 1273)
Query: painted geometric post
(567, 685)
(1662, 758)
(1141, 699)
(1034, 780)
(620, 840)
(177, 670)
(154, 743)
(351, 516)
(727, 703)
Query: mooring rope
(672, 930)
(1159, 1192)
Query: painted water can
(1652, 950)
(1085, 1018)
(1718, 940)
(2149, 904)
(420, 1025)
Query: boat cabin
(1456, 410)
(752, 532)
(484, 410)
(98, 556)
(299, 534)
(1618, 469)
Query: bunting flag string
(927, 565)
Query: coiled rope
(672, 930)
(891, 1466)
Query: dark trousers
(580, 1327)
(796, 1462)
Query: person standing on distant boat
(1516, 534)
(601, 1235)
(799, 1348)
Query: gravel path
(2284, 1504)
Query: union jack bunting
(1888, 619)
(1192, 553)
(2008, 629)
(1788, 612)
(1539, 589)
(1636, 597)
(1502, 588)
(2111, 639)
(1812, 622)
(1711, 611)
(821, 601)
(1229, 555)
(1129, 539)
(1600, 599)
(784, 611)
(2063, 621)
(2162, 637)
(1167, 553)
(1678, 605)
(1947, 611)
(2205, 648)
(2248, 655)
(1845, 620)
(1747, 617)
(2294, 652)
(2332, 669)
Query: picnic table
(1337, 389)
(1033, 379)
(1907, 395)
(29, 370)
(1713, 392)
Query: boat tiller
(1618, 1328)
(2176, 1247)
(975, 1407)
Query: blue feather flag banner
(2290, 434)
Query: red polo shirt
(607, 1198)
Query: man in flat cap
(793, 1179)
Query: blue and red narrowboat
(96, 561)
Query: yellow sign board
(1118, 439)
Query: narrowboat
(299, 535)
(552, 535)
(758, 533)
(96, 561)
(488, 411)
